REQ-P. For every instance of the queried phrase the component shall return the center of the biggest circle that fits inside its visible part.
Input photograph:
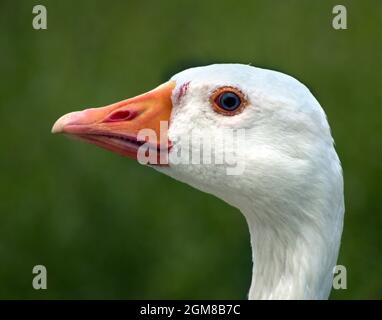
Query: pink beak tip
(62, 122)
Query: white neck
(295, 236)
(289, 264)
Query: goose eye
(228, 101)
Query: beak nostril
(122, 115)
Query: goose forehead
(215, 72)
(247, 78)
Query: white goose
(291, 190)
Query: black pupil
(229, 101)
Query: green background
(106, 227)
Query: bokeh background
(106, 227)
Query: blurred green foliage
(106, 227)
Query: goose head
(258, 140)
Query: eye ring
(228, 101)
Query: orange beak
(118, 127)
